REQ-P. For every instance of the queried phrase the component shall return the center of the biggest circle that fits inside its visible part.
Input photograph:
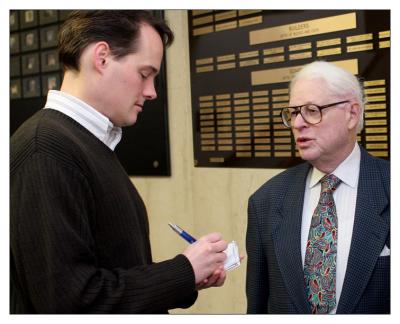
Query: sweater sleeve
(55, 253)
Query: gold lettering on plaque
(283, 147)
(280, 98)
(206, 117)
(280, 91)
(377, 146)
(243, 141)
(374, 90)
(260, 113)
(223, 116)
(329, 42)
(250, 21)
(241, 101)
(206, 104)
(260, 107)
(375, 98)
(225, 15)
(243, 147)
(248, 54)
(299, 47)
(304, 28)
(379, 153)
(224, 135)
(225, 26)
(375, 106)
(329, 51)
(262, 147)
(243, 134)
(274, 59)
(207, 68)
(225, 66)
(242, 128)
(262, 134)
(240, 95)
(299, 56)
(262, 154)
(223, 109)
(208, 148)
(360, 48)
(275, 50)
(225, 148)
(261, 120)
(207, 129)
(375, 114)
(206, 98)
(249, 62)
(376, 122)
(208, 142)
(282, 133)
(242, 108)
(225, 129)
(224, 141)
(224, 122)
(376, 130)
(243, 154)
(206, 111)
(203, 30)
(225, 58)
(282, 154)
(223, 103)
(384, 44)
(384, 34)
(376, 138)
(202, 20)
(216, 160)
(374, 83)
(260, 93)
(207, 123)
(358, 38)
(282, 140)
(223, 96)
(248, 12)
(208, 60)
(262, 140)
(286, 74)
(261, 127)
(242, 115)
(260, 100)
(207, 135)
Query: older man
(318, 236)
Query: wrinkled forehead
(311, 90)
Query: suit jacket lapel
(287, 239)
(369, 234)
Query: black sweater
(79, 232)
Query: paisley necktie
(320, 259)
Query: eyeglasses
(312, 114)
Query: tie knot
(329, 183)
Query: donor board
(241, 62)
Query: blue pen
(187, 237)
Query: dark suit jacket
(275, 280)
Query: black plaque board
(144, 148)
(241, 62)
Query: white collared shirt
(345, 197)
(95, 122)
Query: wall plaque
(241, 62)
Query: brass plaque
(299, 47)
(329, 51)
(359, 38)
(359, 48)
(329, 42)
(304, 28)
(250, 21)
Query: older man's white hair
(340, 82)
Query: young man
(318, 236)
(79, 229)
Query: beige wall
(200, 200)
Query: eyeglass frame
(298, 111)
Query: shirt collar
(347, 171)
(95, 122)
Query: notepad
(233, 259)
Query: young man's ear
(101, 56)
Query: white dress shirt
(345, 197)
(95, 122)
